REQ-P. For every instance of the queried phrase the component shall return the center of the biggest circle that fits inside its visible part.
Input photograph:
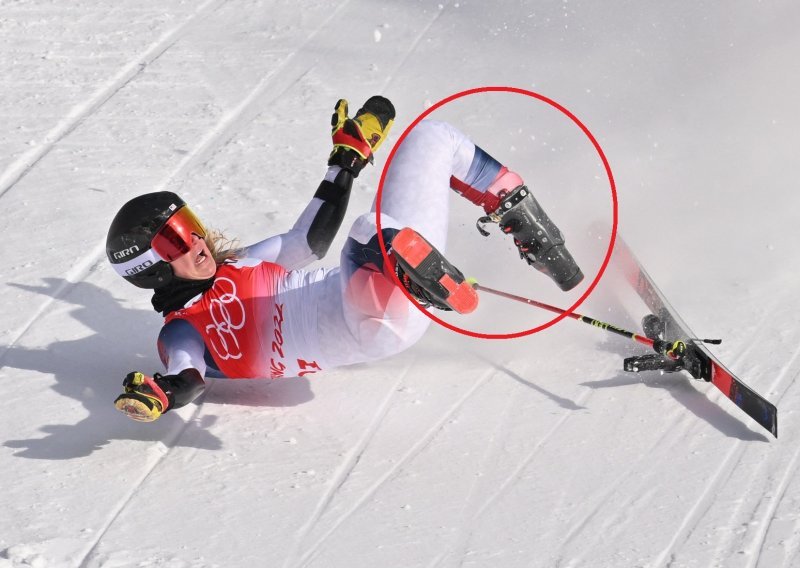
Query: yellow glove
(143, 400)
(355, 139)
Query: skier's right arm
(182, 351)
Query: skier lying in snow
(253, 313)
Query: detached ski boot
(429, 277)
(539, 241)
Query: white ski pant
(362, 315)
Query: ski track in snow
(769, 515)
(725, 469)
(614, 521)
(266, 91)
(602, 501)
(216, 137)
(312, 550)
(81, 270)
(413, 46)
(771, 495)
(732, 459)
(702, 505)
(228, 125)
(349, 463)
(793, 546)
(455, 554)
(792, 543)
(18, 169)
(678, 432)
(478, 488)
(515, 475)
(161, 451)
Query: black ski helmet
(128, 245)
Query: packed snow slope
(537, 451)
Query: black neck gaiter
(175, 295)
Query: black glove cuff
(349, 160)
(181, 389)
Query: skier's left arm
(354, 141)
(313, 232)
(146, 398)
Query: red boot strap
(488, 201)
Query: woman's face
(196, 264)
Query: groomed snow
(460, 452)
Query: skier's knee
(381, 316)
(373, 294)
(381, 338)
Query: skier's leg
(434, 158)
(436, 155)
(416, 194)
(416, 191)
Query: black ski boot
(428, 275)
(539, 241)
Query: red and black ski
(698, 360)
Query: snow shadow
(90, 370)
(284, 392)
(559, 400)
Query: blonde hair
(223, 249)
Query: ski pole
(660, 346)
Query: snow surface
(460, 452)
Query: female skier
(254, 313)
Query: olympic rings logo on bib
(227, 313)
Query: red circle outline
(606, 165)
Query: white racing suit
(266, 317)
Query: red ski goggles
(174, 239)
